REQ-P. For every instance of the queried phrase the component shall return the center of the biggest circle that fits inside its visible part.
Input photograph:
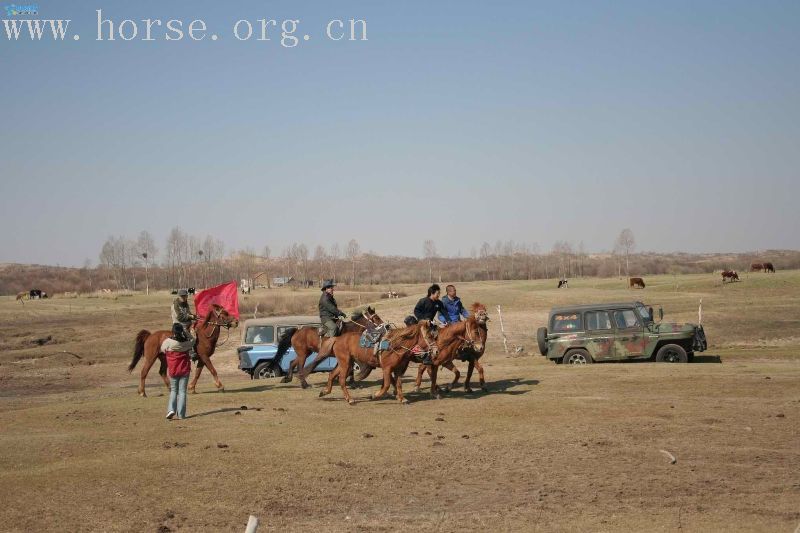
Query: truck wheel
(577, 357)
(541, 338)
(267, 369)
(672, 353)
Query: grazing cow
(729, 275)
(191, 290)
(769, 268)
(756, 267)
(636, 283)
(563, 283)
(22, 295)
(34, 294)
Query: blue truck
(259, 345)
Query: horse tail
(284, 343)
(138, 351)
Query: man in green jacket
(328, 314)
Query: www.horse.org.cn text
(285, 32)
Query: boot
(426, 359)
(327, 348)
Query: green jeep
(583, 334)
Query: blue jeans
(177, 395)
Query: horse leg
(398, 388)
(452, 368)
(197, 371)
(147, 363)
(162, 370)
(206, 361)
(484, 388)
(333, 374)
(387, 378)
(290, 373)
(470, 368)
(344, 363)
(434, 388)
(420, 372)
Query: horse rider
(427, 308)
(453, 306)
(329, 313)
(182, 314)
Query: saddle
(374, 339)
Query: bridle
(227, 325)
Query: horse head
(219, 316)
(428, 333)
(479, 312)
(367, 318)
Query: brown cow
(636, 283)
(729, 275)
(769, 268)
(756, 267)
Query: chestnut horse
(402, 342)
(452, 340)
(207, 334)
(306, 340)
(469, 353)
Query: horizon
(457, 123)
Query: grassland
(547, 448)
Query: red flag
(225, 295)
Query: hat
(327, 284)
(183, 292)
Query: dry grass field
(548, 447)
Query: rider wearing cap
(182, 313)
(328, 314)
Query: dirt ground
(547, 448)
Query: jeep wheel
(267, 369)
(672, 353)
(541, 338)
(577, 357)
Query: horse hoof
(143, 395)
(404, 402)
(485, 388)
(304, 385)
(416, 389)
(285, 380)
(192, 391)
(221, 389)
(321, 393)
(437, 396)
(446, 389)
(468, 390)
(351, 402)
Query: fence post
(252, 525)
(502, 329)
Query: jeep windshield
(644, 312)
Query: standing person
(328, 314)
(453, 306)
(176, 349)
(427, 308)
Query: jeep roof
(593, 307)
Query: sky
(455, 121)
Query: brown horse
(769, 267)
(395, 360)
(306, 340)
(469, 353)
(451, 341)
(636, 283)
(207, 333)
(756, 267)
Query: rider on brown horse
(329, 313)
(182, 314)
(427, 309)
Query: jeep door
(599, 335)
(630, 339)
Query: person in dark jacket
(329, 313)
(427, 309)
(452, 303)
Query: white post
(502, 329)
(252, 525)
(700, 313)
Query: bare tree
(353, 249)
(429, 252)
(486, 254)
(320, 257)
(302, 258)
(334, 256)
(146, 248)
(626, 243)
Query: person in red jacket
(179, 366)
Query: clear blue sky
(456, 121)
